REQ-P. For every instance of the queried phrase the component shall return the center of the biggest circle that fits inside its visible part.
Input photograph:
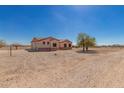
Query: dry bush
(2, 43)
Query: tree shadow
(87, 52)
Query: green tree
(89, 42)
(85, 41)
(81, 40)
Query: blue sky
(21, 23)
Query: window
(54, 44)
(65, 45)
(69, 45)
(48, 43)
(44, 43)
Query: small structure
(16, 46)
(50, 44)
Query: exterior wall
(61, 45)
(40, 46)
(45, 47)
(33, 45)
(56, 42)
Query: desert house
(50, 44)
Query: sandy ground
(102, 67)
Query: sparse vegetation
(2, 43)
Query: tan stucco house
(49, 44)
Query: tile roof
(40, 39)
(51, 38)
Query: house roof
(66, 40)
(50, 38)
(40, 39)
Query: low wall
(51, 49)
(45, 49)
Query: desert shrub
(2, 43)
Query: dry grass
(101, 67)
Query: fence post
(10, 50)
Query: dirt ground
(100, 67)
